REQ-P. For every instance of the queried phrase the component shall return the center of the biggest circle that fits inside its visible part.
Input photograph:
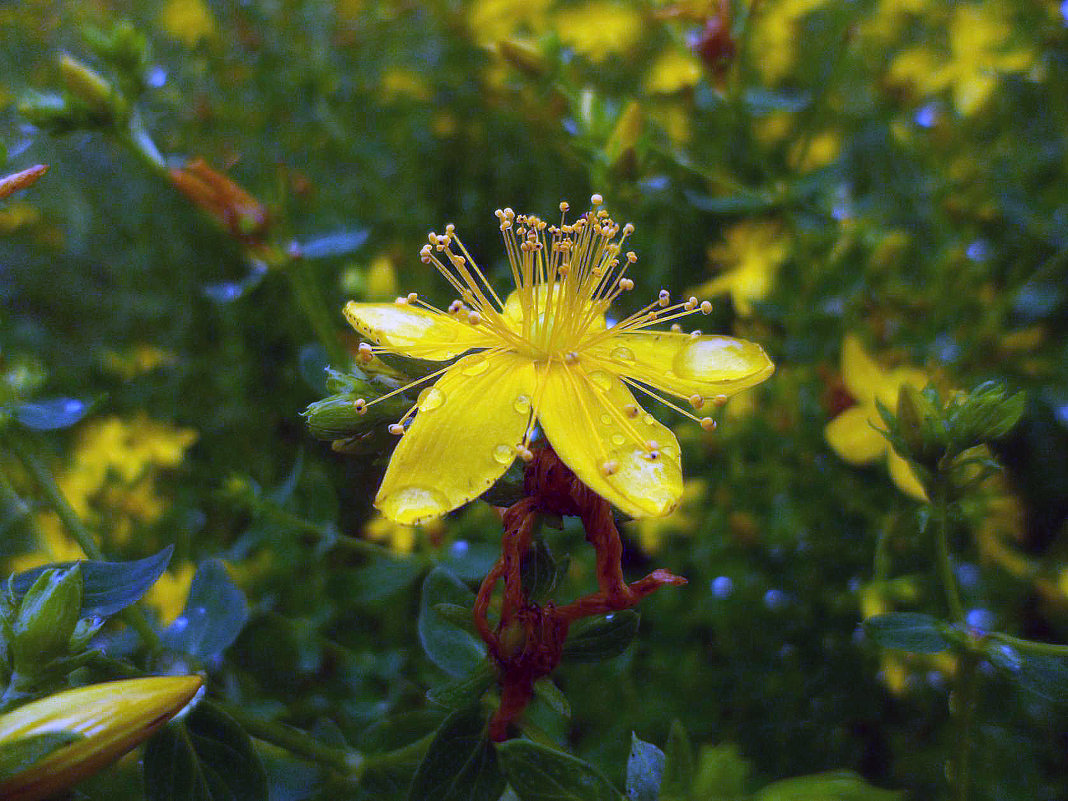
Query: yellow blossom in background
(545, 356)
(818, 151)
(188, 21)
(889, 16)
(851, 434)
(491, 21)
(168, 595)
(136, 360)
(652, 531)
(400, 538)
(672, 72)
(403, 83)
(55, 545)
(749, 257)
(776, 36)
(599, 29)
(979, 50)
(381, 278)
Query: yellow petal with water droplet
(571, 414)
(454, 450)
(415, 332)
(683, 365)
(852, 437)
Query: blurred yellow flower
(775, 35)
(400, 538)
(978, 51)
(381, 278)
(851, 434)
(493, 20)
(750, 256)
(652, 531)
(404, 83)
(136, 360)
(817, 151)
(599, 29)
(673, 71)
(188, 21)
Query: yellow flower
(776, 34)
(398, 537)
(673, 71)
(168, 595)
(752, 254)
(851, 434)
(599, 29)
(188, 21)
(546, 354)
(107, 720)
(977, 53)
(493, 20)
(137, 360)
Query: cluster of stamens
(566, 277)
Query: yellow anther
(719, 400)
(564, 206)
(365, 352)
(609, 467)
(525, 453)
(360, 405)
(413, 297)
(708, 424)
(706, 307)
(631, 410)
(664, 298)
(696, 401)
(396, 429)
(695, 334)
(596, 199)
(676, 328)
(626, 284)
(632, 256)
(474, 318)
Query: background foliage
(889, 173)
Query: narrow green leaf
(645, 770)
(450, 646)
(678, 764)
(463, 692)
(539, 773)
(908, 631)
(460, 764)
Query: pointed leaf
(48, 415)
(214, 614)
(908, 631)
(460, 764)
(453, 649)
(539, 773)
(645, 770)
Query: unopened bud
(90, 87)
(46, 619)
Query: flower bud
(108, 720)
(341, 416)
(21, 180)
(90, 87)
(915, 418)
(46, 620)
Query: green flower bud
(917, 426)
(103, 722)
(46, 620)
(89, 86)
(352, 413)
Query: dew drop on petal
(622, 354)
(606, 419)
(476, 368)
(617, 439)
(601, 379)
(504, 454)
(521, 404)
(412, 504)
(430, 399)
(649, 419)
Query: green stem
(319, 316)
(945, 566)
(965, 712)
(1043, 648)
(297, 742)
(22, 448)
(354, 544)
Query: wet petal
(415, 332)
(583, 417)
(851, 436)
(462, 440)
(902, 475)
(515, 303)
(683, 365)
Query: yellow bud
(111, 718)
(87, 84)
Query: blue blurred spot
(978, 250)
(927, 116)
(722, 586)
(981, 619)
(775, 599)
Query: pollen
(396, 429)
(360, 405)
(708, 424)
(365, 352)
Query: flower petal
(851, 436)
(463, 437)
(863, 376)
(683, 365)
(415, 332)
(582, 416)
(901, 473)
(522, 301)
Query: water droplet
(521, 404)
(649, 419)
(430, 399)
(606, 419)
(622, 354)
(601, 380)
(476, 368)
(715, 358)
(617, 439)
(410, 505)
(504, 454)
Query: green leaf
(833, 786)
(542, 571)
(17, 756)
(539, 773)
(382, 578)
(50, 414)
(452, 648)
(214, 614)
(721, 773)
(908, 631)
(645, 770)
(460, 764)
(1043, 675)
(678, 764)
(593, 639)
(107, 587)
(463, 692)
(207, 757)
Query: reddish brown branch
(528, 640)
